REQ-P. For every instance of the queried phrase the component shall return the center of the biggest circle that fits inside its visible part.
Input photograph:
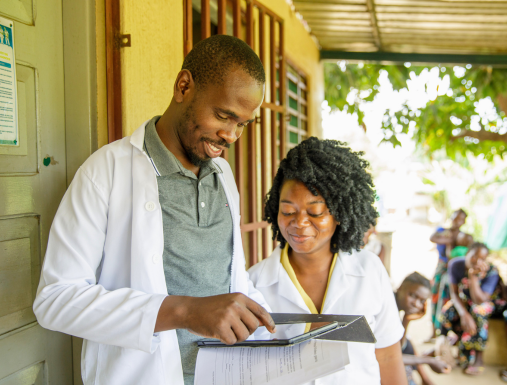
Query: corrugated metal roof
(408, 26)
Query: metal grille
(256, 155)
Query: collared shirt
(359, 285)
(284, 260)
(198, 237)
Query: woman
(474, 284)
(319, 208)
(446, 240)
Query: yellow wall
(301, 49)
(150, 66)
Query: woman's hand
(415, 316)
(468, 323)
(479, 270)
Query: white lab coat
(103, 278)
(359, 285)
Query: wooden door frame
(81, 121)
(80, 71)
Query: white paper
(9, 134)
(291, 365)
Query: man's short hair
(211, 59)
(416, 278)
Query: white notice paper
(291, 365)
(8, 101)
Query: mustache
(221, 143)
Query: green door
(32, 183)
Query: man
(411, 298)
(150, 226)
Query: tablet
(282, 342)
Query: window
(254, 158)
(297, 107)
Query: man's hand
(229, 318)
(468, 324)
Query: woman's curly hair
(336, 172)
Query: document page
(291, 365)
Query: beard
(188, 126)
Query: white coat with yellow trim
(359, 285)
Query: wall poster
(9, 134)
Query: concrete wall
(150, 66)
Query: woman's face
(304, 219)
(476, 258)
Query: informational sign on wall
(9, 134)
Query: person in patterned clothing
(446, 240)
(475, 295)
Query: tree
(448, 122)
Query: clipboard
(351, 328)
(345, 328)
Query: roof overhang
(426, 31)
(415, 58)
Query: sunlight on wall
(150, 66)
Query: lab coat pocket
(122, 366)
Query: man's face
(412, 297)
(214, 116)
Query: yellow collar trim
(284, 259)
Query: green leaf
(434, 130)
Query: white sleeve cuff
(148, 340)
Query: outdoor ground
(412, 251)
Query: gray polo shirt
(197, 233)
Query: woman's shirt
(358, 285)
(458, 275)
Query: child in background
(473, 283)
(411, 298)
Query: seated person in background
(473, 281)
(411, 298)
(446, 241)
(373, 244)
(319, 208)
(501, 310)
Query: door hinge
(123, 40)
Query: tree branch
(502, 101)
(481, 135)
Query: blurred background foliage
(449, 121)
